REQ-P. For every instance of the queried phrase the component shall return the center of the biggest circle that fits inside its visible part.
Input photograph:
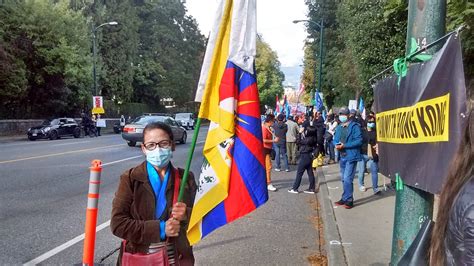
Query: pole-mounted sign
(97, 105)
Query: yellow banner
(98, 110)
(426, 121)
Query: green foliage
(362, 38)
(375, 33)
(130, 109)
(269, 76)
(461, 12)
(169, 53)
(154, 52)
(46, 58)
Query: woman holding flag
(145, 211)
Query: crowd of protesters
(309, 141)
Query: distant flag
(324, 114)
(287, 110)
(362, 107)
(286, 107)
(232, 182)
(318, 101)
(301, 90)
(277, 106)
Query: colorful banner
(419, 123)
(232, 182)
(97, 105)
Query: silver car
(186, 119)
(133, 132)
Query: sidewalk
(284, 231)
(361, 235)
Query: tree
(333, 48)
(361, 39)
(461, 12)
(118, 50)
(45, 53)
(269, 76)
(170, 53)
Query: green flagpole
(190, 158)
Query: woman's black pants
(304, 163)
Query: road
(43, 195)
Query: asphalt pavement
(43, 195)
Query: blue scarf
(159, 188)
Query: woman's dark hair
(311, 131)
(269, 118)
(461, 170)
(158, 125)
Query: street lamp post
(320, 25)
(94, 49)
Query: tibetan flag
(232, 182)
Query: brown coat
(133, 212)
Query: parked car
(133, 132)
(186, 119)
(55, 128)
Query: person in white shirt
(331, 125)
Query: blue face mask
(159, 157)
(371, 125)
(343, 118)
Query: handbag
(418, 252)
(160, 257)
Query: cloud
(274, 22)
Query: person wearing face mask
(145, 212)
(348, 140)
(280, 129)
(268, 139)
(372, 153)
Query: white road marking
(71, 143)
(57, 154)
(25, 141)
(64, 246)
(81, 237)
(123, 160)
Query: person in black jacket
(280, 128)
(306, 142)
(372, 154)
(320, 129)
(452, 239)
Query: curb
(335, 253)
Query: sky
(274, 22)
